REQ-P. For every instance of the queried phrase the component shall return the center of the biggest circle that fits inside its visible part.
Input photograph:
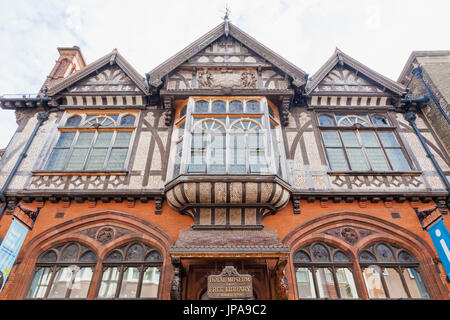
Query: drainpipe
(417, 72)
(410, 116)
(42, 116)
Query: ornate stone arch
(119, 228)
(353, 231)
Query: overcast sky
(380, 34)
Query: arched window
(127, 121)
(324, 271)
(208, 147)
(326, 121)
(131, 271)
(63, 272)
(73, 121)
(391, 272)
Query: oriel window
(227, 136)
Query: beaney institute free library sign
(230, 285)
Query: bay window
(227, 136)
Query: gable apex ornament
(226, 22)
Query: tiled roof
(229, 241)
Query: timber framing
(158, 73)
(114, 57)
(341, 58)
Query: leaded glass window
(92, 143)
(361, 143)
(63, 272)
(227, 136)
(391, 272)
(324, 271)
(131, 271)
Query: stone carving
(175, 286)
(205, 79)
(248, 80)
(349, 234)
(105, 234)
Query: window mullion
(383, 282)
(208, 151)
(110, 147)
(336, 283)
(247, 152)
(384, 151)
(50, 282)
(119, 281)
(69, 289)
(90, 148)
(227, 147)
(405, 285)
(363, 149)
(344, 149)
(71, 148)
(141, 277)
(316, 286)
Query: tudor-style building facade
(225, 154)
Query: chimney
(70, 60)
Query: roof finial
(226, 19)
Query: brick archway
(369, 229)
(84, 229)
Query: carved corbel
(158, 205)
(296, 205)
(168, 112)
(11, 205)
(279, 280)
(286, 103)
(175, 286)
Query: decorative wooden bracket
(286, 103)
(168, 111)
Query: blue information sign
(441, 240)
(10, 247)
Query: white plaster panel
(142, 151)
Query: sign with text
(10, 247)
(441, 240)
(230, 285)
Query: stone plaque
(230, 285)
